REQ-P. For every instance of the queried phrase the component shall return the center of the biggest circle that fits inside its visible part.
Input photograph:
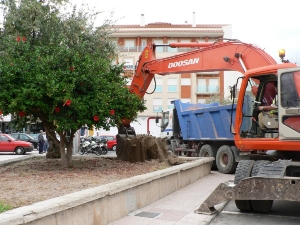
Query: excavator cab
(258, 123)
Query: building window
(201, 100)
(159, 85)
(158, 42)
(201, 40)
(201, 85)
(157, 105)
(172, 85)
(158, 88)
(170, 105)
(212, 39)
(128, 62)
(129, 67)
(213, 85)
(129, 45)
(143, 44)
(186, 100)
(185, 40)
(185, 82)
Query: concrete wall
(106, 203)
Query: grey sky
(270, 24)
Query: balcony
(123, 48)
(208, 89)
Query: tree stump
(143, 147)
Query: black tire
(114, 148)
(243, 170)
(262, 206)
(209, 151)
(19, 151)
(104, 150)
(225, 160)
(257, 165)
(81, 150)
(98, 151)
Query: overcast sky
(270, 24)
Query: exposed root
(144, 147)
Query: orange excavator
(268, 151)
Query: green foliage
(216, 99)
(4, 207)
(57, 67)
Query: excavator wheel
(243, 170)
(262, 206)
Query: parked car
(26, 137)
(111, 141)
(34, 135)
(9, 144)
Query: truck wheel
(263, 206)
(243, 170)
(225, 160)
(209, 151)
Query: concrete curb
(94, 205)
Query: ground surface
(38, 179)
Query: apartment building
(189, 87)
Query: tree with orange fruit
(58, 67)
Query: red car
(9, 144)
(111, 141)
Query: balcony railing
(207, 89)
(123, 48)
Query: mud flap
(219, 195)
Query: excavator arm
(232, 55)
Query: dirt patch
(37, 179)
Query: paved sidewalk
(178, 207)
(7, 158)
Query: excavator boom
(218, 56)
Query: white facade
(140, 127)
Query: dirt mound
(143, 147)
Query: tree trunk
(53, 150)
(66, 157)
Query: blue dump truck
(204, 130)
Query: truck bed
(205, 121)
